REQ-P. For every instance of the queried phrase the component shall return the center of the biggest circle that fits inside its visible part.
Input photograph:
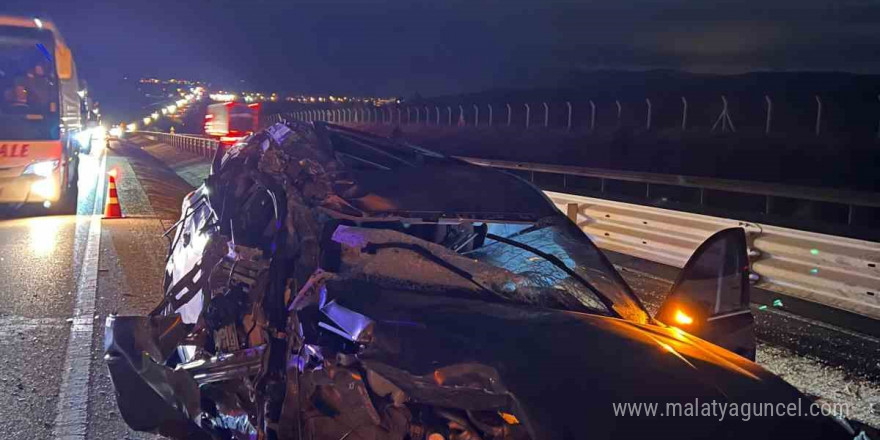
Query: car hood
(563, 372)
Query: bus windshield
(29, 86)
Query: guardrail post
(619, 111)
(417, 115)
(592, 116)
(568, 125)
(769, 114)
(427, 116)
(461, 121)
(818, 115)
(546, 115)
(476, 115)
(684, 113)
(375, 119)
(528, 115)
(449, 115)
(509, 114)
(437, 110)
(648, 122)
(490, 114)
(408, 117)
(399, 122)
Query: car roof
(392, 178)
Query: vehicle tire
(66, 204)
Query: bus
(40, 115)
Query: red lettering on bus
(14, 150)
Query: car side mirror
(710, 298)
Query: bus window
(28, 85)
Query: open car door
(710, 299)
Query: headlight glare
(44, 168)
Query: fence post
(490, 114)
(375, 117)
(724, 117)
(408, 117)
(769, 114)
(619, 110)
(528, 115)
(818, 115)
(546, 115)
(417, 115)
(476, 115)
(568, 126)
(437, 109)
(399, 122)
(592, 116)
(684, 113)
(449, 114)
(427, 115)
(509, 113)
(648, 123)
(461, 115)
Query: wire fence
(812, 115)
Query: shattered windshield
(504, 271)
(576, 253)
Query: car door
(710, 298)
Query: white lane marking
(71, 417)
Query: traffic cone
(111, 207)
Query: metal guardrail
(831, 270)
(847, 197)
(835, 271)
(201, 146)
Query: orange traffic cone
(111, 207)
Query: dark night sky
(436, 47)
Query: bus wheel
(66, 204)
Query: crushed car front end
(329, 284)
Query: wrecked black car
(329, 284)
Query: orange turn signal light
(683, 318)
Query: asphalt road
(50, 352)
(57, 268)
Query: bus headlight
(42, 169)
(44, 188)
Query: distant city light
(38, 22)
